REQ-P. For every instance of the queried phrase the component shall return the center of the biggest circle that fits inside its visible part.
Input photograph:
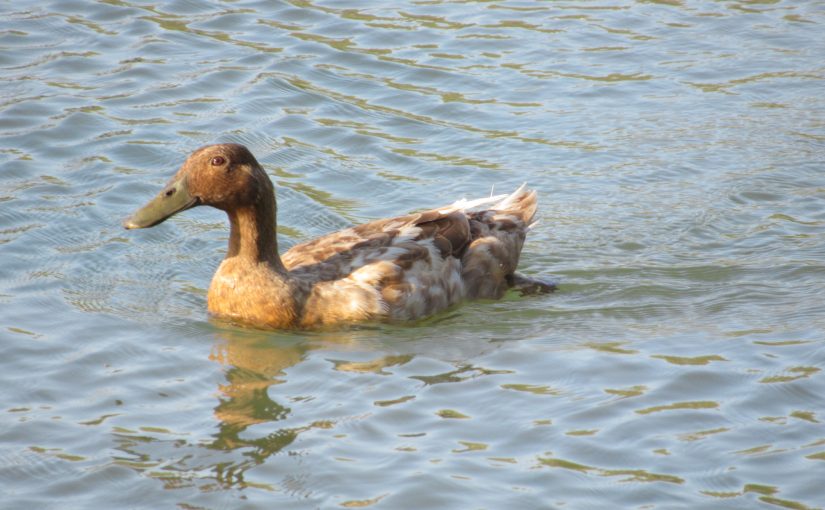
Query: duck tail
(521, 203)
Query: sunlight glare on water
(677, 147)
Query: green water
(677, 147)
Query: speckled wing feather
(448, 226)
(414, 265)
(400, 268)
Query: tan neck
(252, 235)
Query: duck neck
(252, 236)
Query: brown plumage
(400, 268)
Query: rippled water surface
(677, 147)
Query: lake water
(678, 148)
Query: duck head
(226, 176)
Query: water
(677, 146)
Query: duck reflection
(253, 362)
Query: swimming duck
(394, 269)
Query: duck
(396, 269)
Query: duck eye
(218, 161)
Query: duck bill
(174, 198)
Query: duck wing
(449, 230)
(399, 239)
(472, 246)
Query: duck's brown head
(225, 176)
